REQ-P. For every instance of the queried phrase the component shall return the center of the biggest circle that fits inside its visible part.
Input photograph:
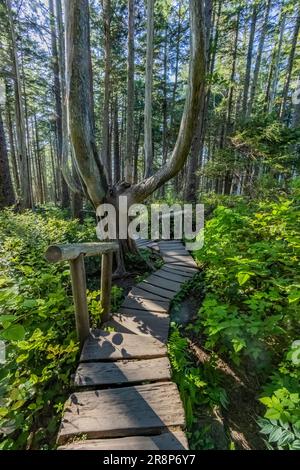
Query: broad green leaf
(13, 333)
(243, 277)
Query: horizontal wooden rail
(57, 253)
(75, 253)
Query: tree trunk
(148, 145)
(286, 87)
(117, 172)
(14, 161)
(106, 150)
(57, 63)
(25, 201)
(274, 68)
(259, 57)
(7, 197)
(128, 164)
(249, 60)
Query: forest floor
(237, 422)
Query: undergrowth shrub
(36, 324)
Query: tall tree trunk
(195, 159)
(286, 87)
(106, 147)
(232, 77)
(7, 197)
(39, 164)
(259, 57)
(57, 63)
(117, 172)
(249, 60)
(14, 161)
(274, 67)
(148, 144)
(128, 164)
(25, 201)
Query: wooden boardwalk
(124, 397)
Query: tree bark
(128, 166)
(148, 144)
(106, 148)
(7, 197)
(91, 170)
(58, 74)
(25, 200)
(286, 87)
(117, 172)
(274, 68)
(259, 57)
(80, 113)
(249, 60)
(12, 149)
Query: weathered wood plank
(178, 272)
(171, 276)
(164, 284)
(156, 290)
(114, 346)
(139, 303)
(137, 292)
(182, 260)
(184, 270)
(126, 411)
(121, 372)
(140, 322)
(167, 441)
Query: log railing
(75, 253)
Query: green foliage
(197, 385)
(281, 422)
(250, 257)
(37, 324)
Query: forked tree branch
(195, 90)
(80, 115)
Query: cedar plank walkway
(124, 397)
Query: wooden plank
(171, 276)
(167, 441)
(164, 284)
(183, 269)
(122, 372)
(137, 292)
(156, 290)
(179, 272)
(140, 322)
(182, 260)
(115, 346)
(139, 303)
(126, 411)
(181, 252)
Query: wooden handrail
(57, 253)
(75, 253)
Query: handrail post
(80, 300)
(106, 275)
